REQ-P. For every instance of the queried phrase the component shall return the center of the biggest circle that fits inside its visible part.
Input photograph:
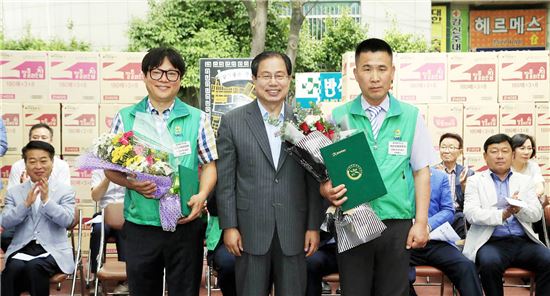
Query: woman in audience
(524, 151)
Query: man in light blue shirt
(500, 206)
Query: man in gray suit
(40, 210)
(268, 205)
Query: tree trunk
(296, 21)
(257, 14)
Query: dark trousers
(7, 236)
(254, 273)
(95, 241)
(379, 267)
(459, 224)
(461, 271)
(498, 254)
(32, 276)
(224, 263)
(321, 263)
(149, 250)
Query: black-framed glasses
(171, 75)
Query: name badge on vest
(397, 148)
(181, 149)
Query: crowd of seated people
(480, 207)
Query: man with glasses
(149, 249)
(269, 207)
(450, 149)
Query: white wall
(413, 16)
(102, 23)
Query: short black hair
(519, 139)
(373, 45)
(155, 56)
(270, 54)
(40, 145)
(40, 125)
(452, 136)
(496, 139)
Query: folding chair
(515, 272)
(89, 258)
(111, 270)
(431, 272)
(77, 256)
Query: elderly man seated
(501, 205)
(40, 210)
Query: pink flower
(150, 159)
(138, 150)
(123, 141)
(128, 134)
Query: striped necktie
(375, 124)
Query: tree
(405, 42)
(342, 34)
(257, 14)
(29, 42)
(202, 29)
(297, 18)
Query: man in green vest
(149, 249)
(401, 146)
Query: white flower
(312, 119)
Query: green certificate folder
(189, 186)
(350, 162)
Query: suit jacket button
(277, 181)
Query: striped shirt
(422, 151)
(206, 141)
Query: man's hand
(418, 236)
(31, 196)
(24, 177)
(311, 242)
(511, 210)
(43, 188)
(145, 188)
(232, 241)
(196, 203)
(463, 177)
(334, 194)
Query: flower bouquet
(305, 139)
(304, 142)
(143, 154)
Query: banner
(458, 30)
(318, 87)
(523, 29)
(439, 28)
(225, 84)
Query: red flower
(305, 128)
(329, 134)
(123, 141)
(128, 134)
(319, 126)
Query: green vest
(183, 124)
(399, 125)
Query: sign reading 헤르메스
(521, 29)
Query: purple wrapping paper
(169, 204)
